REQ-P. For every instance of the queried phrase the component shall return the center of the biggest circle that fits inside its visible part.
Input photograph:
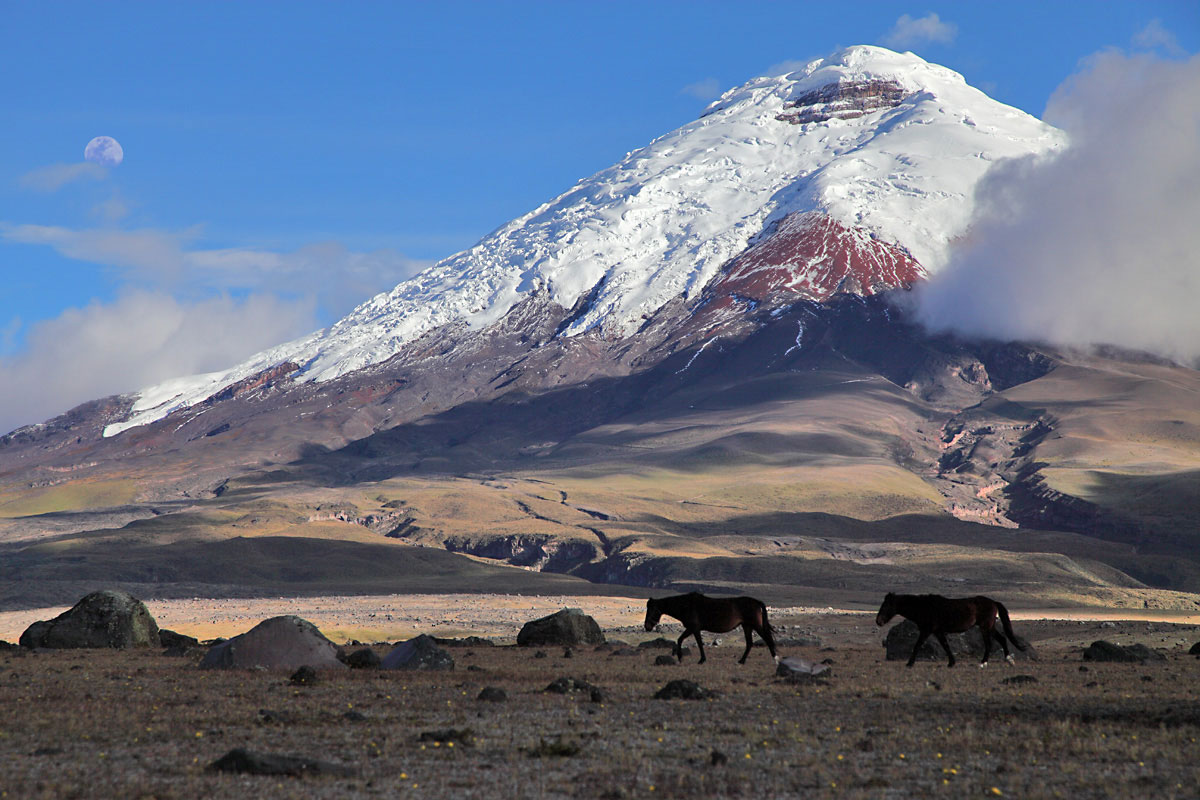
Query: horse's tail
(1008, 631)
(767, 628)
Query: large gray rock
(798, 670)
(900, 639)
(420, 653)
(567, 627)
(287, 642)
(102, 619)
(1107, 651)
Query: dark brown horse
(714, 614)
(941, 615)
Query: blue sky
(284, 161)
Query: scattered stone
(475, 668)
(567, 685)
(596, 695)
(568, 653)
(354, 716)
(492, 694)
(1195, 651)
(465, 736)
(570, 626)
(1108, 624)
(305, 676)
(286, 642)
(421, 653)
(717, 758)
(242, 760)
(366, 658)
(685, 690)
(793, 640)
(665, 661)
(900, 639)
(1019, 679)
(622, 651)
(661, 643)
(268, 716)
(8, 646)
(540, 654)
(1102, 650)
(101, 619)
(797, 670)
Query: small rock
(493, 694)
(797, 670)
(540, 654)
(665, 661)
(354, 716)
(567, 685)
(464, 736)
(684, 690)
(242, 760)
(305, 676)
(717, 758)
(1107, 651)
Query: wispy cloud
(784, 67)
(910, 32)
(1156, 37)
(150, 257)
(1099, 245)
(141, 339)
(706, 89)
(55, 176)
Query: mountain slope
(886, 146)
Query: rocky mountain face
(745, 271)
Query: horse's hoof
(1010, 659)
(982, 664)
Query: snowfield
(663, 221)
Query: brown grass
(141, 725)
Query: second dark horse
(713, 614)
(937, 615)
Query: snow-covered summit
(882, 142)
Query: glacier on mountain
(661, 223)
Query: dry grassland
(141, 725)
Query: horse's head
(887, 610)
(653, 614)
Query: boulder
(420, 653)
(1195, 651)
(569, 626)
(365, 658)
(102, 619)
(797, 670)
(966, 646)
(1107, 651)
(286, 642)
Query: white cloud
(909, 32)
(1100, 245)
(1156, 37)
(54, 177)
(339, 278)
(141, 339)
(706, 89)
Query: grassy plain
(86, 724)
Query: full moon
(104, 150)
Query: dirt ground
(139, 724)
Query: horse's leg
(749, 641)
(1003, 643)
(987, 644)
(920, 641)
(678, 652)
(700, 644)
(946, 646)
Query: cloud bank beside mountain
(142, 338)
(1099, 244)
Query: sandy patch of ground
(499, 617)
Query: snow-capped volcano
(864, 162)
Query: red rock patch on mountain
(815, 256)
